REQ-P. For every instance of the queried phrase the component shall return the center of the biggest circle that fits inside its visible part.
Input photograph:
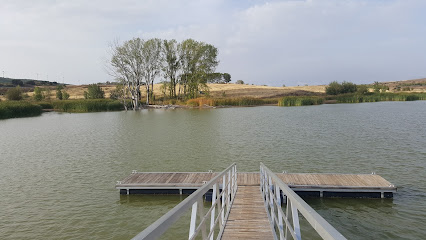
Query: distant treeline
(12, 82)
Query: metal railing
(222, 200)
(274, 192)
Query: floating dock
(304, 184)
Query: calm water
(57, 171)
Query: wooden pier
(248, 218)
(305, 184)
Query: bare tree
(151, 64)
(171, 64)
(128, 67)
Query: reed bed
(87, 105)
(379, 97)
(300, 101)
(199, 102)
(17, 109)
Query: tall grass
(378, 97)
(15, 109)
(87, 105)
(198, 102)
(300, 101)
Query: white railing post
(271, 188)
(280, 216)
(296, 225)
(212, 214)
(222, 212)
(228, 194)
(193, 220)
(271, 201)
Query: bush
(335, 88)
(239, 82)
(14, 94)
(18, 109)
(94, 92)
(38, 95)
(65, 95)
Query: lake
(58, 171)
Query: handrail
(271, 187)
(222, 201)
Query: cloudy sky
(292, 42)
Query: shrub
(239, 82)
(65, 95)
(94, 92)
(38, 95)
(14, 94)
(335, 88)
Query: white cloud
(275, 43)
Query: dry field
(232, 90)
(216, 90)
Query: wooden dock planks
(248, 218)
(298, 181)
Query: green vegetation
(378, 97)
(335, 88)
(13, 109)
(94, 92)
(300, 101)
(38, 95)
(239, 82)
(199, 102)
(14, 94)
(87, 105)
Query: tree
(38, 94)
(151, 64)
(17, 82)
(128, 68)
(14, 93)
(94, 92)
(171, 65)
(59, 92)
(239, 82)
(198, 59)
(226, 77)
(335, 88)
(65, 95)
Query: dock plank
(248, 218)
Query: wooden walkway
(248, 218)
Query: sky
(272, 43)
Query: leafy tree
(198, 59)
(14, 93)
(379, 87)
(31, 82)
(151, 60)
(226, 77)
(17, 82)
(362, 89)
(38, 94)
(171, 64)
(239, 82)
(65, 95)
(94, 92)
(59, 92)
(335, 88)
(128, 68)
